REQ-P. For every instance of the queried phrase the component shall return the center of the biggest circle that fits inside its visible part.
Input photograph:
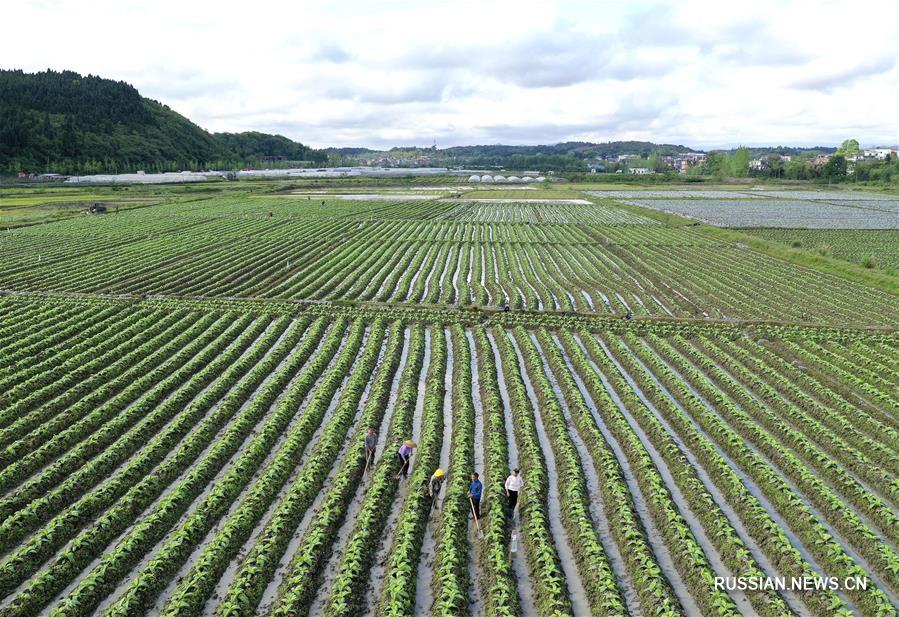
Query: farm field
(561, 257)
(762, 212)
(873, 248)
(185, 391)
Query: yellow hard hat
(439, 473)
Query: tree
(848, 148)
(69, 138)
(798, 169)
(775, 165)
(714, 164)
(835, 168)
(739, 162)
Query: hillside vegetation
(65, 122)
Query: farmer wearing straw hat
(435, 485)
(404, 454)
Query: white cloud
(701, 73)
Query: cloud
(163, 85)
(390, 90)
(697, 72)
(830, 77)
(331, 51)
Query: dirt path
(522, 574)
(653, 533)
(329, 571)
(475, 569)
(376, 575)
(271, 591)
(708, 547)
(424, 596)
(597, 502)
(838, 538)
(576, 589)
(85, 572)
(758, 554)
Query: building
(683, 162)
(474, 178)
(50, 177)
(762, 163)
(641, 171)
(880, 154)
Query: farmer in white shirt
(513, 489)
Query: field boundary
(470, 315)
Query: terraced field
(186, 390)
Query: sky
(381, 73)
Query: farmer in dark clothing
(475, 490)
(404, 454)
(371, 440)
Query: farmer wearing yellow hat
(404, 454)
(435, 484)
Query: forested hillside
(65, 122)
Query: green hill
(64, 122)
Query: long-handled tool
(367, 459)
(406, 462)
(475, 515)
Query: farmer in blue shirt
(475, 489)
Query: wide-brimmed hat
(439, 473)
(410, 443)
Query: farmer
(404, 454)
(435, 485)
(513, 489)
(475, 490)
(371, 440)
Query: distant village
(631, 163)
(634, 164)
(681, 163)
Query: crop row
(303, 575)
(590, 269)
(213, 463)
